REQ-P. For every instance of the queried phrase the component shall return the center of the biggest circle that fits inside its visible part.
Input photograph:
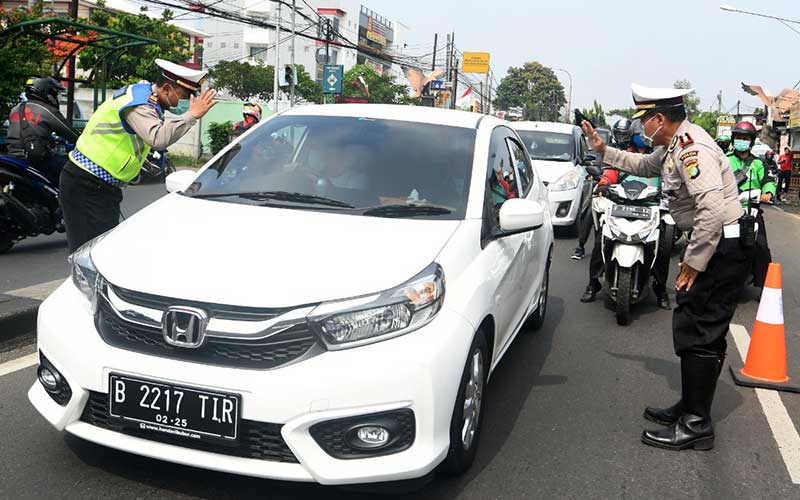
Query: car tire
(536, 319)
(464, 436)
(6, 242)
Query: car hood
(550, 171)
(236, 254)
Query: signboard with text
(332, 78)
(794, 116)
(475, 62)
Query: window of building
(258, 53)
(209, 45)
(235, 45)
(222, 45)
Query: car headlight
(395, 312)
(84, 273)
(568, 181)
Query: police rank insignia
(685, 140)
(670, 165)
(692, 168)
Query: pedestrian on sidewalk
(704, 199)
(116, 141)
(785, 174)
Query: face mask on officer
(741, 145)
(180, 106)
(649, 138)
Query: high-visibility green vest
(109, 142)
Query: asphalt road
(44, 258)
(563, 419)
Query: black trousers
(784, 179)
(763, 255)
(703, 315)
(585, 226)
(90, 206)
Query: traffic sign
(437, 84)
(475, 62)
(332, 78)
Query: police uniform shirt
(700, 183)
(156, 132)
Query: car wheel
(537, 318)
(465, 424)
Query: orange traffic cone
(765, 366)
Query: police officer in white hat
(704, 199)
(116, 142)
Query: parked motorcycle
(631, 226)
(28, 201)
(157, 165)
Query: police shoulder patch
(685, 140)
(688, 154)
(692, 168)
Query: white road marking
(19, 363)
(38, 292)
(783, 429)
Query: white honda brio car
(323, 301)
(559, 152)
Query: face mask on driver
(741, 145)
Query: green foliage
(383, 89)
(690, 101)
(535, 89)
(596, 115)
(22, 57)
(624, 112)
(255, 81)
(707, 120)
(138, 62)
(219, 134)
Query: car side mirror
(519, 215)
(594, 171)
(179, 180)
(591, 158)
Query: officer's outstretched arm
(644, 165)
(153, 131)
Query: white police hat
(190, 79)
(648, 98)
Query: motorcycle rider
(635, 143)
(32, 124)
(251, 112)
(750, 174)
(621, 132)
(724, 142)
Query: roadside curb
(17, 316)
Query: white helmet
(252, 109)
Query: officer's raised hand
(199, 106)
(595, 141)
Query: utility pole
(294, 69)
(738, 114)
(448, 60)
(488, 94)
(73, 14)
(719, 103)
(275, 86)
(454, 66)
(435, 41)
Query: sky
(607, 45)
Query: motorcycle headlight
(395, 312)
(84, 273)
(568, 181)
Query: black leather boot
(592, 288)
(694, 428)
(668, 416)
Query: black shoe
(578, 253)
(694, 428)
(662, 299)
(664, 416)
(591, 292)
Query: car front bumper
(420, 371)
(564, 206)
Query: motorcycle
(157, 165)
(28, 201)
(631, 226)
(671, 232)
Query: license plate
(629, 212)
(174, 410)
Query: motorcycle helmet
(769, 155)
(724, 142)
(746, 129)
(252, 109)
(621, 132)
(44, 89)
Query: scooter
(28, 201)
(631, 226)
(671, 232)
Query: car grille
(258, 440)
(272, 352)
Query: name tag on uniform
(731, 231)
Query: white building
(357, 25)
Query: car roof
(564, 128)
(419, 114)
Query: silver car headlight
(566, 182)
(84, 273)
(389, 314)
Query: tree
(623, 112)
(690, 100)
(383, 89)
(596, 115)
(535, 89)
(244, 80)
(23, 57)
(707, 120)
(138, 62)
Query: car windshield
(548, 145)
(360, 166)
